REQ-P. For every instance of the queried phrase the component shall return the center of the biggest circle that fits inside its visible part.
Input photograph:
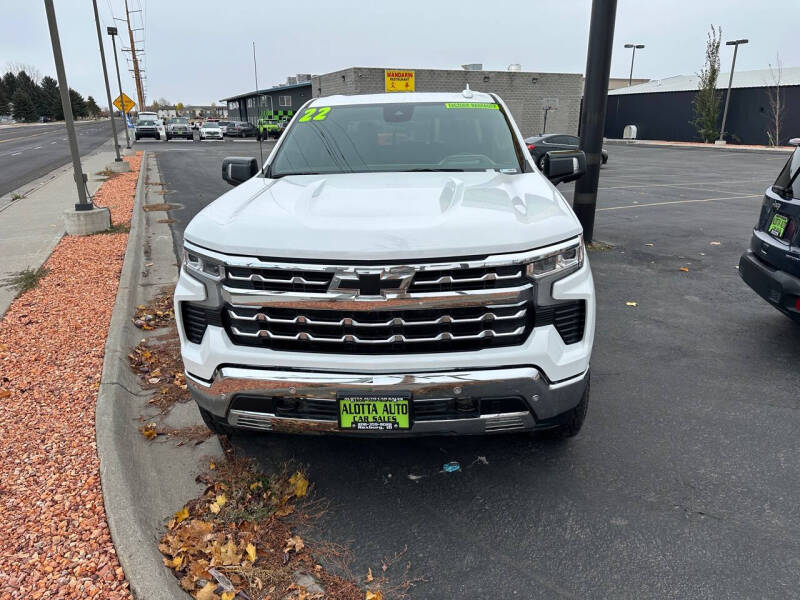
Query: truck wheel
(215, 424)
(168, 137)
(573, 420)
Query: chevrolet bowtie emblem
(371, 283)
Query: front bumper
(541, 403)
(777, 287)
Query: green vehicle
(272, 123)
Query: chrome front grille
(380, 331)
(279, 280)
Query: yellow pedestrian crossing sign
(124, 103)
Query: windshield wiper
(297, 173)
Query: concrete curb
(703, 148)
(134, 472)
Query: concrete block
(84, 222)
(119, 167)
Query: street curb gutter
(143, 482)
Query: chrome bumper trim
(546, 401)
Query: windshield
(211, 126)
(180, 121)
(789, 178)
(430, 136)
(145, 123)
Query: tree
(51, 99)
(706, 101)
(179, 106)
(91, 106)
(26, 83)
(10, 83)
(32, 72)
(79, 109)
(4, 107)
(24, 108)
(776, 103)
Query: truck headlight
(202, 265)
(563, 258)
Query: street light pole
(635, 47)
(105, 77)
(735, 44)
(112, 31)
(66, 105)
(593, 114)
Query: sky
(200, 51)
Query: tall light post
(112, 31)
(634, 47)
(83, 203)
(735, 44)
(105, 77)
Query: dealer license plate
(374, 412)
(778, 225)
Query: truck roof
(402, 97)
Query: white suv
(398, 266)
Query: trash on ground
(451, 467)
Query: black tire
(540, 163)
(573, 419)
(605, 159)
(136, 136)
(215, 424)
(158, 136)
(168, 137)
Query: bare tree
(706, 101)
(776, 102)
(32, 72)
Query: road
(28, 152)
(683, 482)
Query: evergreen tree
(24, 108)
(3, 101)
(79, 110)
(34, 92)
(51, 99)
(91, 106)
(10, 84)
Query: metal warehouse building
(663, 109)
(526, 93)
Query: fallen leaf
(4, 393)
(207, 593)
(212, 466)
(149, 431)
(214, 508)
(631, 304)
(251, 552)
(685, 269)
(182, 514)
(284, 511)
(175, 563)
(369, 575)
(228, 595)
(300, 483)
(229, 554)
(255, 485)
(294, 543)
(372, 595)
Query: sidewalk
(699, 145)
(30, 227)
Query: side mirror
(238, 169)
(561, 166)
(794, 142)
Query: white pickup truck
(399, 266)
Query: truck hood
(385, 216)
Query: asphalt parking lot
(683, 482)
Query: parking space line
(16, 153)
(646, 204)
(726, 182)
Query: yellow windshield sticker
(315, 114)
(488, 105)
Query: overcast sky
(200, 51)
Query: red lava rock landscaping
(55, 541)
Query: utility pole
(105, 77)
(112, 31)
(63, 88)
(735, 44)
(136, 74)
(633, 55)
(593, 115)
